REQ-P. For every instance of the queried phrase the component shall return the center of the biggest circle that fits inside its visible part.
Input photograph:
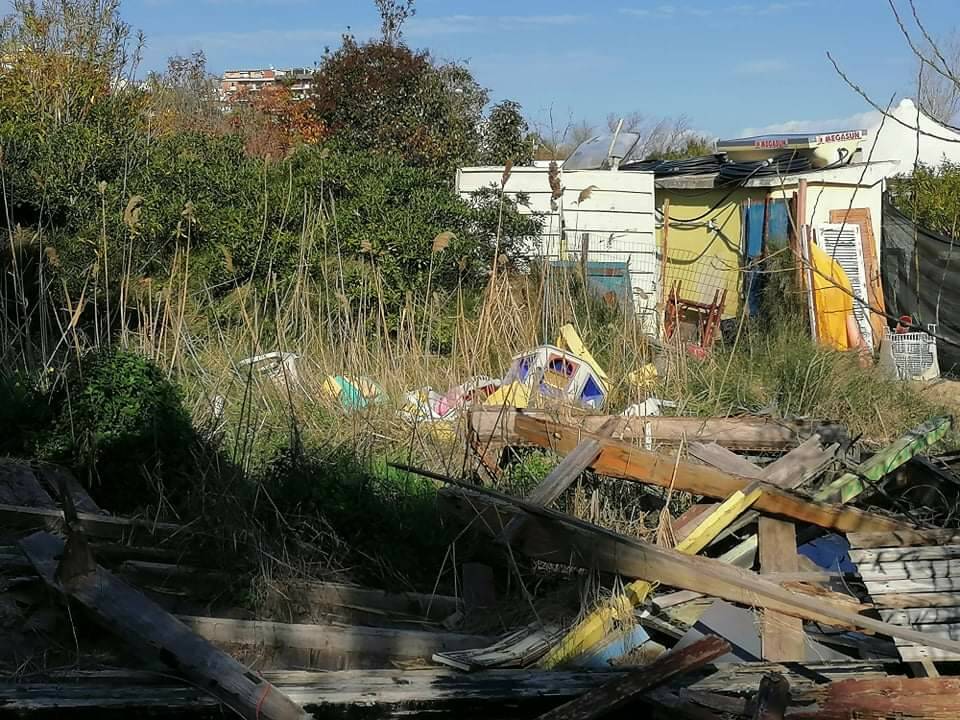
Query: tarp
(921, 278)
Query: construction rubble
(787, 588)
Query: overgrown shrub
(122, 426)
(931, 197)
(25, 414)
(380, 513)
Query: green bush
(123, 427)
(379, 512)
(25, 414)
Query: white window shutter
(843, 243)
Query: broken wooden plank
(722, 459)
(678, 597)
(102, 526)
(560, 478)
(20, 487)
(141, 622)
(802, 463)
(743, 678)
(334, 639)
(334, 595)
(689, 519)
(903, 538)
(619, 459)
(781, 635)
(798, 466)
(391, 692)
(850, 485)
(517, 649)
(609, 697)
(586, 634)
(748, 432)
(886, 698)
(569, 540)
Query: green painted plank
(850, 485)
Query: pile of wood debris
(850, 612)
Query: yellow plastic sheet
(833, 301)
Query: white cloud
(679, 11)
(770, 8)
(857, 121)
(420, 26)
(668, 11)
(766, 66)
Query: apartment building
(236, 83)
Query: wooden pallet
(914, 580)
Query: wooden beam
(801, 464)
(561, 477)
(93, 525)
(364, 599)
(497, 427)
(886, 698)
(609, 697)
(850, 485)
(782, 638)
(622, 460)
(392, 692)
(589, 632)
(141, 622)
(726, 460)
(903, 538)
(565, 539)
(333, 639)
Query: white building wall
(614, 220)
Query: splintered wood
(609, 697)
(622, 460)
(134, 617)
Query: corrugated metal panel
(843, 244)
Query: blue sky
(728, 66)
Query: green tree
(388, 98)
(185, 97)
(507, 137)
(931, 197)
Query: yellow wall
(700, 257)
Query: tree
(64, 56)
(938, 91)
(506, 136)
(393, 14)
(388, 98)
(938, 75)
(185, 97)
(664, 138)
(272, 122)
(70, 114)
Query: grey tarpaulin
(921, 278)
